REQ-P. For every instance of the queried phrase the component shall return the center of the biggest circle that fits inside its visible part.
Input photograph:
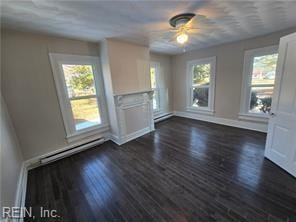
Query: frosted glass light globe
(182, 38)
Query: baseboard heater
(71, 151)
(166, 116)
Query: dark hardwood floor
(186, 170)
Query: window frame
(156, 65)
(249, 55)
(57, 60)
(209, 110)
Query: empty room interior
(148, 111)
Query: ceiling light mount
(181, 19)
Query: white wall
(165, 82)
(229, 70)
(11, 160)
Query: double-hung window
(80, 91)
(201, 85)
(154, 76)
(258, 83)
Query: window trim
(57, 60)
(244, 113)
(202, 110)
(156, 65)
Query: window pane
(79, 80)
(201, 74)
(261, 98)
(86, 113)
(155, 101)
(264, 68)
(152, 76)
(200, 97)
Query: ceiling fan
(182, 25)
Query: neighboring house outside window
(80, 89)
(258, 83)
(201, 85)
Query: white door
(281, 137)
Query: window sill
(203, 111)
(253, 117)
(91, 132)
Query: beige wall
(109, 88)
(229, 69)
(165, 82)
(129, 66)
(10, 159)
(125, 70)
(29, 89)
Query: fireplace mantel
(134, 113)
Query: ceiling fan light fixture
(181, 19)
(182, 38)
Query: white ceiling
(140, 21)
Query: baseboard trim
(131, 136)
(35, 161)
(261, 127)
(71, 151)
(163, 117)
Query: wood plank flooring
(186, 170)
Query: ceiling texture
(146, 22)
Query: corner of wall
(13, 169)
(109, 93)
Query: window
(201, 89)
(154, 76)
(258, 82)
(79, 87)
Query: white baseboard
(163, 117)
(261, 127)
(35, 161)
(131, 136)
(70, 152)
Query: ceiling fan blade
(200, 22)
(174, 30)
(199, 32)
(171, 38)
(204, 28)
(165, 36)
(189, 24)
(194, 31)
(164, 30)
